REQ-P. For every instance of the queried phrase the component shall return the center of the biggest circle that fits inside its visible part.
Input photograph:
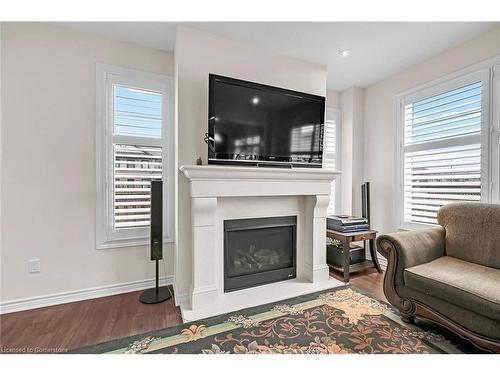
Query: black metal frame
(257, 163)
(263, 277)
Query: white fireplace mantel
(229, 181)
(215, 191)
(217, 172)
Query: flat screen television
(259, 125)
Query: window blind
(442, 152)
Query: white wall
(358, 155)
(351, 148)
(197, 54)
(1, 127)
(379, 118)
(48, 160)
(333, 99)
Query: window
(443, 147)
(134, 146)
(331, 155)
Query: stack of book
(345, 223)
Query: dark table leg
(373, 254)
(345, 252)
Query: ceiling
(378, 49)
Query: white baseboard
(79, 295)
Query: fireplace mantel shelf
(220, 172)
(230, 181)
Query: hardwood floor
(72, 325)
(77, 324)
(368, 280)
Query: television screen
(253, 124)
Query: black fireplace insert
(259, 251)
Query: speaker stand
(157, 294)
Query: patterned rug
(335, 321)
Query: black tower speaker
(156, 220)
(365, 201)
(157, 294)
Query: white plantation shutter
(134, 168)
(441, 151)
(330, 153)
(134, 147)
(137, 119)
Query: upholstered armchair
(449, 274)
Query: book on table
(349, 228)
(346, 223)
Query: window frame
(337, 114)
(483, 72)
(495, 133)
(107, 76)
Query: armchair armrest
(407, 249)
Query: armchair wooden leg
(407, 318)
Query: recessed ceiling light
(255, 100)
(345, 53)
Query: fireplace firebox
(259, 251)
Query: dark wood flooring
(77, 324)
(368, 280)
(72, 325)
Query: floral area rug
(336, 321)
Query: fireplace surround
(259, 251)
(223, 193)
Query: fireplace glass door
(259, 251)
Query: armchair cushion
(464, 284)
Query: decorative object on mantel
(335, 321)
(199, 161)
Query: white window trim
(106, 236)
(338, 155)
(488, 73)
(495, 135)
